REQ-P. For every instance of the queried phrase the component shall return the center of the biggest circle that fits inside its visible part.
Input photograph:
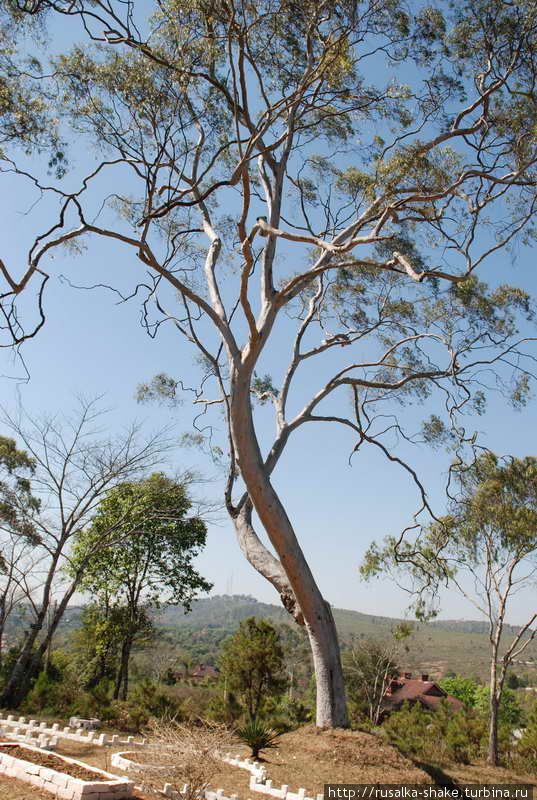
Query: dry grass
(184, 754)
(306, 758)
(485, 774)
(12, 789)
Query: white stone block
(60, 779)
(10, 718)
(65, 792)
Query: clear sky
(92, 345)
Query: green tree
(74, 468)
(490, 537)
(287, 195)
(510, 712)
(464, 689)
(150, 561)
(18, 535)
(97, 642)
(252, 666)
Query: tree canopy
(148, 562)
(487, 550)
(252, 666)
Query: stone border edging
(61, 785)
(258, 780)
(21, 728)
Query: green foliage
(495, 517)
(292, 713)
(526, 749)
(458, 736)
(510, 714)
(147, 557)
(464, 689)
(152, 546)
(17, 504)
(252, 666)
(258, 736)
(409, 730)
(9, 660)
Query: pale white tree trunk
(291, 575)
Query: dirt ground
(307, 758)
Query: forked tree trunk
(314, 611)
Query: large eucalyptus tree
(332, 172)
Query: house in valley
(421, 690)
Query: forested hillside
(437, 647)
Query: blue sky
(92, 345)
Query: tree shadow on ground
(438, 775)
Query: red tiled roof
(428, 693)
(432, 703)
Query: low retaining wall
(19, 727)
(40, 740)
(258, 779)
(110, 787)
(260, 783)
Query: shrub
(457, 735)
(258, 736)
(409, 730)
(464, 689)
(525, 754)
(292, 713)
(184, 754)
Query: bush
(50, 696)
(224, 710)
(464, 689)
(181, 753)
(510, 713)
(146, 701)
(525, 752)
(409, 730)
(258, 736)
(457, 735)
(292, 713)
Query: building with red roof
(413, 690)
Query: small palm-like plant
(258, 736)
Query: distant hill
(436, 647)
